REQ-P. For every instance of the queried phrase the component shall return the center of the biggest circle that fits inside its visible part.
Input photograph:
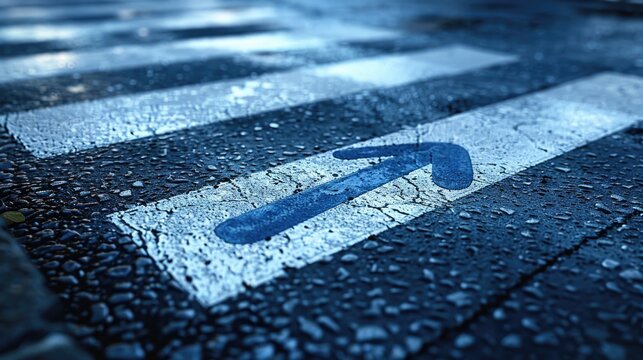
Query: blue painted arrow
(451, 170)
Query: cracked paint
(181, 228)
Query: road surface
(337, 179)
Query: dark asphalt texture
(31, 316)
(543, 264)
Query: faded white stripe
(127, 56)
(502, 139)
(69, 128)
(87, 32)
(126, 10)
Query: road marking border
(502, 139)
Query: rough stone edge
(30, 326)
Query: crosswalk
(129, 9)
(46, 132)
(81, 32)
(128, 56)
(502, 139)
(179, 232)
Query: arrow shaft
(271, 219)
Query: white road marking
(125, 11)
(127, 56)
(86, 32)
(69, 128)
(502, 139)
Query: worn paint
(69, 128)
(502, 139)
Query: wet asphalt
(545, 263)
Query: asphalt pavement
(304, 179)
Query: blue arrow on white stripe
(502, 140)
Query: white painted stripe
(121, 57)
(35, 3)
(87, 32)
(122, 10)
(68, 128)
(502, 140)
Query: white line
(64, 3)
(127, 56)
(37, 3)
(87, 32)
(122, 10)
(69, 128)
(502, 140)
